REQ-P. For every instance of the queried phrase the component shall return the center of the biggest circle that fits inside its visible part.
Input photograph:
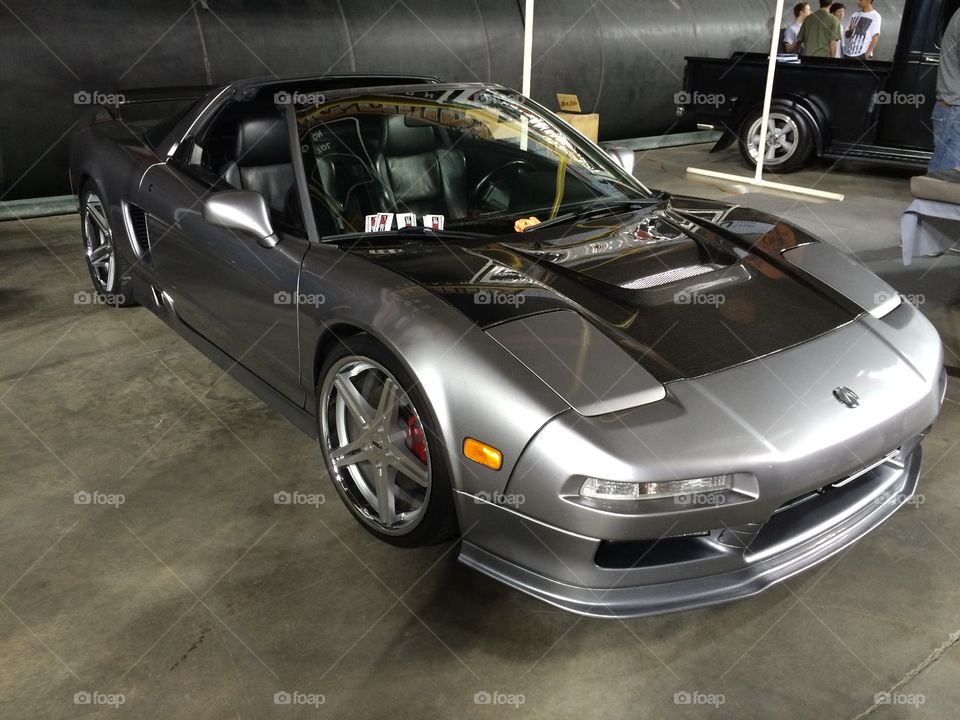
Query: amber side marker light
(480, 452)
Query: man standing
(863, 32)
(801, 11)
(819, 33)
(946, 114)
(838, 10)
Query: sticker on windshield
(381, 222)
(406, 220)
(433, 222)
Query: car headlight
(619, 490)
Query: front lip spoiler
(699, 592)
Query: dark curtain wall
(624, 58)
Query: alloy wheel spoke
(389, 402)
(354, 401)
(351, 453)
(100, 255)
(95, 210)
(386, 501)
(401, 459)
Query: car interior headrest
(262, 140)
(406, 136)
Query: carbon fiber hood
(687, 288)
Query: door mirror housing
(623, 157)
(243, 211)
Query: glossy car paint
(765, 412)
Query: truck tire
(790, 139)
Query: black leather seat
(262, 161)
(418, 174)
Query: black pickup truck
(869, 111)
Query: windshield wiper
(408, 233)
(599, 210)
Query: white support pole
(757, 178)
(528, 48)
(527, 66)
(768, 91)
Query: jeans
(946, 138)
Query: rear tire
(381, 445)
(790, 139)
(108, 269)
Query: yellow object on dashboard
(524, 223)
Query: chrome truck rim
(783, 138)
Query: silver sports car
(621, 402)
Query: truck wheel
(789, 140)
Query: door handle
(930, 59)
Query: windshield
(477, 159)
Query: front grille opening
(622, 555)
(851, 480)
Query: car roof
(317, 83)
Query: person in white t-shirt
(863, 32)
(800, 13)
(838, 10)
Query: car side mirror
(243, 211)
(623, 157)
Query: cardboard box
(587, 124)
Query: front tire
(790, 140)
(108, 270)
(380, 442)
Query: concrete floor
(199, 597)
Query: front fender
(475, 387)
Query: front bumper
(588, 576)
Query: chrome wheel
(375, 445)
(783, 139)
(98, 243)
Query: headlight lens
(618, 490)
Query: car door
(237, 294)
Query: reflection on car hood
(689, 288)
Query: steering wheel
(511, 169)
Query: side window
(246, 147)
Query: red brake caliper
(415, 442)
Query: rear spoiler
(145, 96)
